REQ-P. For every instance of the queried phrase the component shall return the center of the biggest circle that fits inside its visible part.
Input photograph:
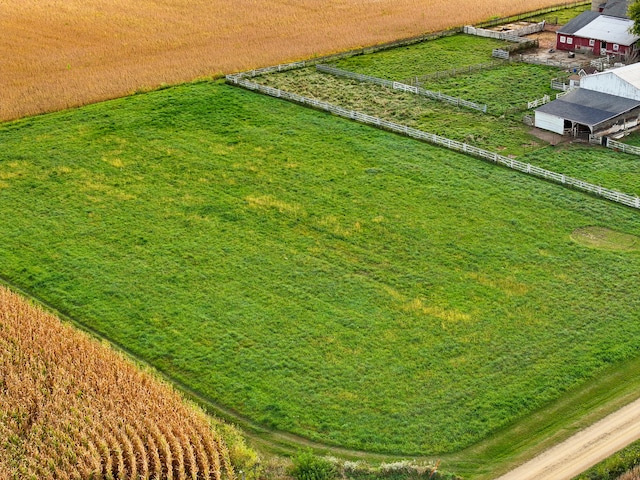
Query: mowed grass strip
(319, 276)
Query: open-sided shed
(584, 111)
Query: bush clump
(307, 466)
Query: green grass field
(598, 165)
(316, 275)
(560, 16)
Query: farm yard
(64, 54)
(311, 275)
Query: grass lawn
(597, 165)
(561, 16)
(319, 276)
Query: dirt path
(584, 449)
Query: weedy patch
(606, 239)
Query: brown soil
(63, 53)
(549, 137)
(546, 39)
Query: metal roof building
(616, 8)
(623, 82)
(575, 24)
(601, 27)
(586, 111)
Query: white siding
(608, 82)
(549, 122)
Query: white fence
(558, 84)
(534, 59)
(612, 195)
(623, 147)
(538, 102)
(612, 144)
(601, 63)
(401, 86)
(509, 35)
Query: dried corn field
(72, 408)
(65, 53)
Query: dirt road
(584, 449)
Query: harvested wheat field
(65, 53)
(72, 408)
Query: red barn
(598, 34)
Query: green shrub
(307, 466)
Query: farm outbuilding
(622, 82)
(583, 112)
(599, 34)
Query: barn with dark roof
(586, 112)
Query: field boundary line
(559, 178)
(266, 437)
(416, 90)
(351, 53)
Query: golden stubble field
(63, 53)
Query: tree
(634, 14)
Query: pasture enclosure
(492, 131)
(316, 275)
(458, 102)
(507, 88)
(613, 195)
(64, 54)
(71, 407)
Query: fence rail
(518, 42)
(547, 62)
(512, 163)
(352, 53)
(538, 102)
(612, 144)
(509, 35)
(560, 85)
(500, 53)
(401, 86)
(467, 69)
